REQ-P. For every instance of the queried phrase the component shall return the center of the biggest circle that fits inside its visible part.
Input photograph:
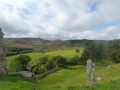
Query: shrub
(43, 60)
(20, 63)
(51, 64)
(74, 60)
(60, 61)
(38, 70)
(77, 50)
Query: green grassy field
(75, 76)
(36, 56)
(72, 78)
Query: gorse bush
(20, 63)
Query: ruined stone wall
(46, 73)
(3, 61)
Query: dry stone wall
(46, 73)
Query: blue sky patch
(101, 27)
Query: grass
(36, 56)
(65, 53)
(13, 82)
(75, 76)
(71, 78)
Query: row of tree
(16, 50)
(109, 51)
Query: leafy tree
(115, 56)
(20, 63)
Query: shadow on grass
(75, 68)
(14, 78)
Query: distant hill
(39, 44)
(36, 43)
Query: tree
(20, 63)
(115, 56)
(84, 57)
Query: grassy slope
(76, 76)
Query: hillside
(40, 45)
(36, 43)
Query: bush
(77, 50)
(20, 63)
(43, 60)
(74, 60)
(38, 70)
(51, 64)
(60, 61)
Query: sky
(61, 19)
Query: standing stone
(3, 61)
(90, 72)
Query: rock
(27, 74)
(108, 66)
(98, 79)
(29, 67)
(23, 73)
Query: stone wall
(3, 61)
(46, 73)
(23, 73)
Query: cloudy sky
(61, 19)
